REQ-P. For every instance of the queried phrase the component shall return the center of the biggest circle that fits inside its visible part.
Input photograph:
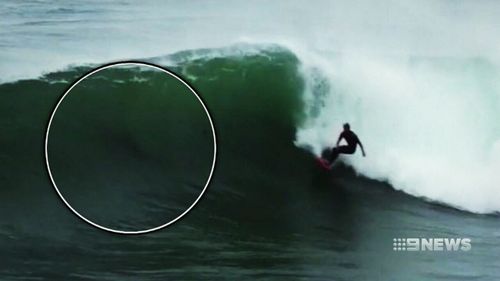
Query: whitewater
(420, 84)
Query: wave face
(120, 155)
(126, 140)
(430, 125)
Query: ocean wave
(267, 98)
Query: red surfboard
(323, 163)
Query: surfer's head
(347, 127)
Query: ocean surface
(131, 148)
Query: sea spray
(429, 124)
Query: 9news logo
(431, 244)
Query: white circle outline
(129, 232)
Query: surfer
(352, 142)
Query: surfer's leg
(345, 149)
(333, 155)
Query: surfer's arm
(362, 148)
(340, 138)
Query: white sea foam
(430, 127)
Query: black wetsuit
(352, 141)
